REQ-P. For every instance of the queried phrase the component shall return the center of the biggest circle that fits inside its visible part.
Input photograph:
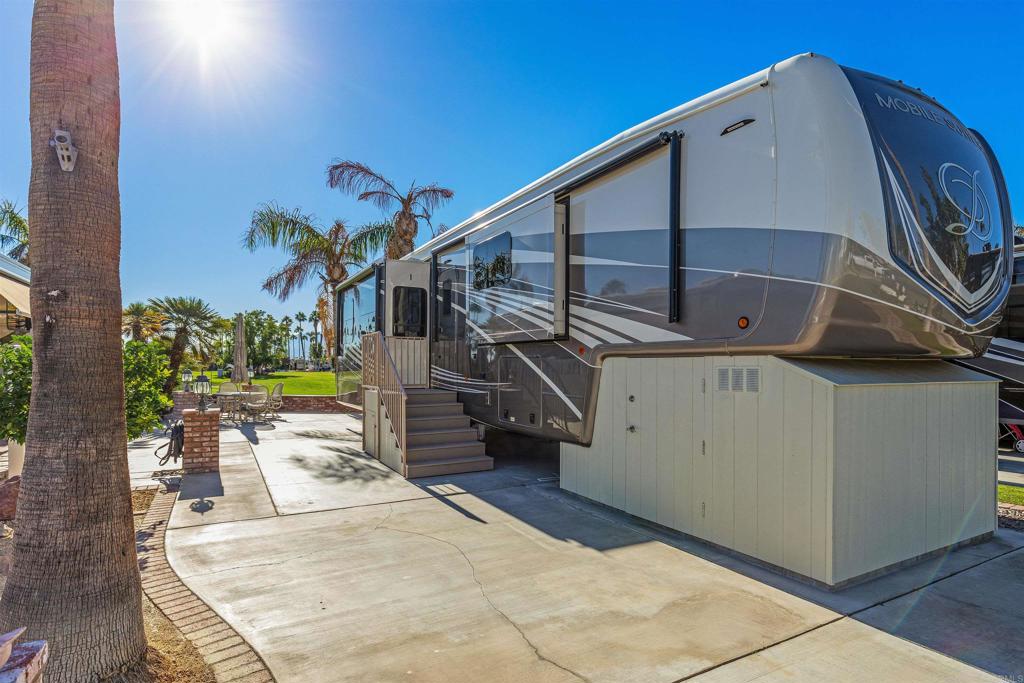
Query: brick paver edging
(227, 653)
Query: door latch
(631, 429)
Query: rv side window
(410, 312)
(492, 262)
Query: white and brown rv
(742, 299)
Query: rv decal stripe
(596, 261)
(639, 331)
(580, 334)
(596, 334)
(547, 380)
(464, 390)
(853, 293)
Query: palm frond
(274, 226)
(431, 197)
(354, 177)
(370, 239)
(293, 275)
(186, 313)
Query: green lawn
(1011, 494)
(295, 382)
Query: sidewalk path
(336, 569)
(230, 657)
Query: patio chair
(257, 402)
(276, 399)
(229, 405)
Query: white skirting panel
(829, 469)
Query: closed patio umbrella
(240, 373)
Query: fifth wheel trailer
(809, 211)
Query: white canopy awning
(16, 293)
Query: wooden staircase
(417, 432)
(439, 438)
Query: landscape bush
(145, 369)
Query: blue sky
(482, 97)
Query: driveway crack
(483, 592)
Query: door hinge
(703, 444)
(702, 508)
(703, 385)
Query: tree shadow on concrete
(343, 464)
(332, 435)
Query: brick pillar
(183, 400)
(202, 441)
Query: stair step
(423, 396)
(423, 437)
(443, 451)
(441, 466)
(431, 409)
(430, 422)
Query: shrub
(145, 369)
(15, 387)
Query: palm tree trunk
(176, 355)
(404, 237)
(75, 578)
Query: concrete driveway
(336, 569)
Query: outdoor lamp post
(203, 387)
(186, 380)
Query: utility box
(834, 470)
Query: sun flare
(212, 26)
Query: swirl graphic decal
(977, 215)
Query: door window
(410, 312)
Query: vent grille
(753, 379)
(739, 379)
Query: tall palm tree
(324, 312)
(13, 232)
(314, 252)
(314, 320)
(74, 577)
(286, 334)
(139, 322)
(406, 208)
(195, 326)
(300, 318)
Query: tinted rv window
(946, 222)
(410, 312)
(492, 262)
(359, 312)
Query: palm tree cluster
(187, 324)
(316, 252)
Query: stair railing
(381, 373)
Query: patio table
(241, 397)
